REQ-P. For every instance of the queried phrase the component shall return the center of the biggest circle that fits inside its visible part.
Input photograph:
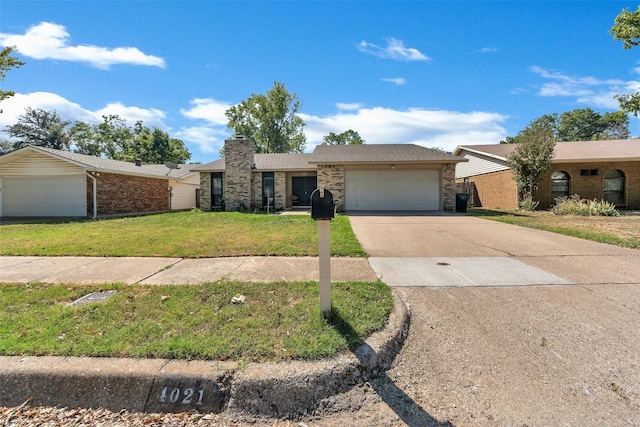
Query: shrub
(574, 205)
(528, 204)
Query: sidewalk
(177, 270)
(140, 385)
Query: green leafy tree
(114, 137)
(39, 127)
(627, 29)
(531, 160)
(7, 62)
(270, 120)
(547, 124)
(83, 140)
(155, 146)
(578, 125)
(344, 138)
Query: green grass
(622, 230)
(278, 321)
(182, 234)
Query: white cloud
(208, 109)
(429, 128)
(47, 40)
(67, 110)
(586, 90)
(397, 81)
(209, 139)
(394, 49)
(487, 50)
(378, 125)
(349, 107)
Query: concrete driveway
(562, 350)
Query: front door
(302, 187)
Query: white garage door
(392, 190)
(61, 196)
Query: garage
(392, 189)
(53, 196)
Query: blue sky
(434, 73)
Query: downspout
(95, 197)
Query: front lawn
(277, 321)
(623, 230)
(180, 234)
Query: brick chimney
(238, 159)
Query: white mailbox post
(322, 210)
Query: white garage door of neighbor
(61, 196)
(392, 189)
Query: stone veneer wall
(448, 179)
(280, 183)
(280, 179)
(126, 194)
(238, 157)
(331, 177)
(205, 191)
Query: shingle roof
(574, 151)
(381, 153)
(100, 164)
(266, 162)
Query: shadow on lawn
(488, 212)
(409, 411)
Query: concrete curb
(286, 390)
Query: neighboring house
(604, 170)
(37, 182)
(360, 177)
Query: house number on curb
(186, 396)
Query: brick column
(238, 159)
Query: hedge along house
(603, 170)
(44, 182)
(360, 177)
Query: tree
(40, 127)
(83, 140)
(531, 160)
(7, 62)
(156, 146)
(578, 125)
(616, 126)
(344, 138)
(627, 28)
(547, 123)
(112, 138)
(270, 120)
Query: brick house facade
(44, 182)
(578, 168)
(294, 176)
(121, 194)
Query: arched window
(560, 185)
(614, 187)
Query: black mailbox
(322, 206)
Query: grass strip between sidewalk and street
(192, 234)
(623, 230)
(277, 321)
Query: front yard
(182, 234)
(622, 231)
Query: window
(217, 193)
(614, 187)
(560, 185)
(268, 190)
